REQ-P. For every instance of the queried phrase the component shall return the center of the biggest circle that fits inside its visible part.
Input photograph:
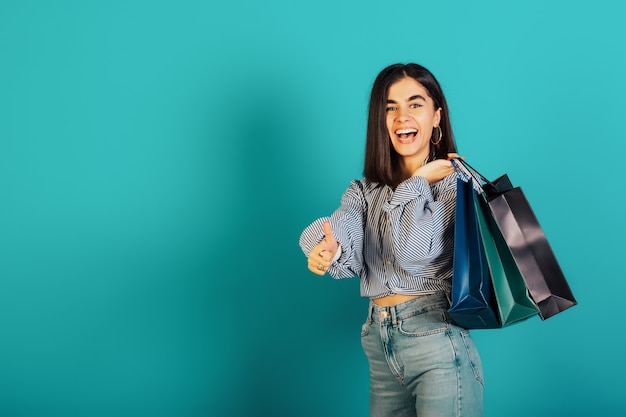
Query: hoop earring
(440, 136)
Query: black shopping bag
(532, 253)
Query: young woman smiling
(394, 229)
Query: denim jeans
(421, 365)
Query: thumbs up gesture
(322, 255)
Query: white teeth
(405, 131)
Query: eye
(416, 105)
(391, 108)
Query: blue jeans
(421, 365)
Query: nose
(403, 113)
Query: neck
(412, 163)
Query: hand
(438, 169)
(321, 256)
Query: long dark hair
(382, 163)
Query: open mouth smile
(406, 135)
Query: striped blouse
(397, 241)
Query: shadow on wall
(285, 332)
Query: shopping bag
(512, 298)
(528, 244)
(532, 253)
(472, 303)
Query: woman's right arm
(347, 225)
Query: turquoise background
(159, 159)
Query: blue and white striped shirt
(397, 241)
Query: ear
(437, 117)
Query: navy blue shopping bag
(472, 304)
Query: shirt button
(388, 262)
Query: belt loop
(394, 316)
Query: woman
(394, 229)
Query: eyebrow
(415, 97)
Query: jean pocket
(424, 324)
(473, 356)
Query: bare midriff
(392, 300)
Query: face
(411, 116)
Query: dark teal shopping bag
(511, 294)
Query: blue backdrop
(159, 159)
